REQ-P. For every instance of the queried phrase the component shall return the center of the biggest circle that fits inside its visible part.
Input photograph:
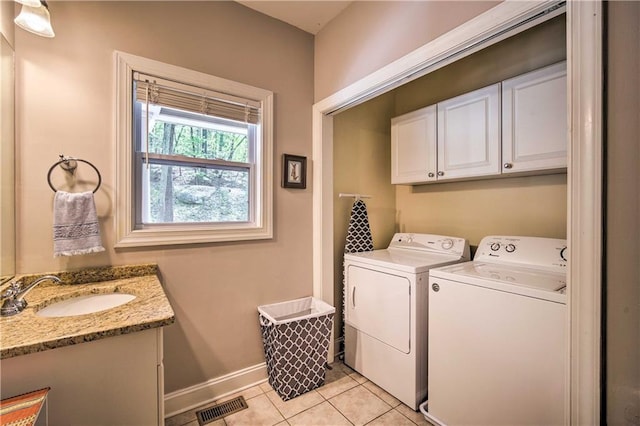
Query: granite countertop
(26, 332)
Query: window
(194, 161)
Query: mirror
(7, 163)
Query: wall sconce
(34, 17)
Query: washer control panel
(529, 251)
(431, 243)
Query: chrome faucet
(13, 297)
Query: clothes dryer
(497, 335)
(386, 314)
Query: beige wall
(535, 48)
(7, 13)
(7, 162)
(535, 205)
(361, 151)
(7, 151)
(365, 37)
(515, 206)
(65, 91)
(361, 155)
(623, 216)
(368, 35)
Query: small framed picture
(294, 171)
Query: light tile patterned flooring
(347, 398)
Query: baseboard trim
(188, 398)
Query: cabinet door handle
(431, 174)
(507, 165)
(353, 297)
(440, 173)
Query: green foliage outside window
(179, 194)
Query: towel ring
(69, 164)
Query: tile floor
(347, 398)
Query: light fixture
(35, 19)
(32, 3)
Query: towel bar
(69, 164)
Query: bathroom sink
(86, 304)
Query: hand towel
(75, 224)
(358, 240)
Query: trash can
(295, 336)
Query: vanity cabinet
(413, 146)
(113, 381)
(469, 134)
(534, 120)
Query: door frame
(584, 183)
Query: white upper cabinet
(469, 134)
(516, 126)
(534, 120)
(413, 146)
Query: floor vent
(218, 411)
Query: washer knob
(447, 244)
(510, 248)
(495, 246)
(563, 254)
(435, 287)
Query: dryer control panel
(547, 253)
(431, 243)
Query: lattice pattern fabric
(296, 353)
(359, 233)
(358, 240)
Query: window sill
(191, 235)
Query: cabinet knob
(507, 165)
(440, 173)
(431, 174)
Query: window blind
(186, 97)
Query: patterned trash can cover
(295, 337)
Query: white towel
(75, 224)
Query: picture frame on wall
(294, 171)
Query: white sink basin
(87, 304)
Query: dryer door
(379, 304)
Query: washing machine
(498, 335)
(386, 316)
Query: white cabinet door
(534, 120)
(469, 134)
(111, 381)
(413, 146)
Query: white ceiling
(308, 15)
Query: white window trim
(126, 234)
